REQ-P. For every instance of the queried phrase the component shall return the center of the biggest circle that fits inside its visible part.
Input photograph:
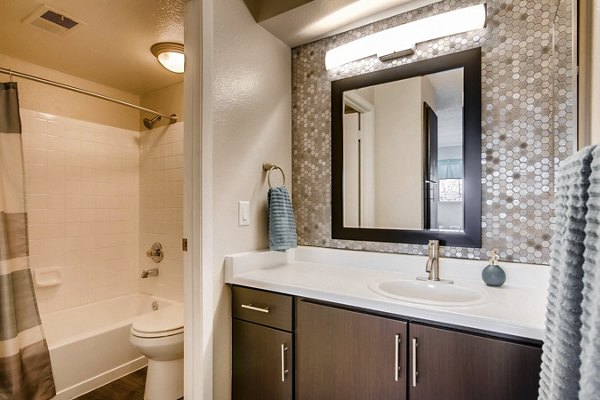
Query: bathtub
(89, 345)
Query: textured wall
(519, 148)
(251, 125)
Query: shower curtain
(25, 370)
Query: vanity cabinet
(344, 355)
(347, 354)
(454, 365)
(262, 348)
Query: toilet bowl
(159, 336)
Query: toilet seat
(167, 321)
(154, 335)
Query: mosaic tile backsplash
(527, 124)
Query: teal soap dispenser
(493, 275)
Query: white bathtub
(89, 345)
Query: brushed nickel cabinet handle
(259, 309)
(397, 358)
(284, 371)
(415, 344)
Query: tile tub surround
(519, 147)
(82, 204)
(342, 276)
(161, 208)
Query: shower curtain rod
(11, 72)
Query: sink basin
(429, 293)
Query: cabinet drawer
(265, 308)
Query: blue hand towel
(560, 374)
(282, 223)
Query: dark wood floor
(129, 387)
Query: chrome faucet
(433, 263)
(149, 272)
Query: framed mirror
(406, 153)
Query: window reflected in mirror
(403, 149)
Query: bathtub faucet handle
(156, 252)
(149, 272)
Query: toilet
(159, 336)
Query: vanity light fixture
(402, 40)
(170, 55)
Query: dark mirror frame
(470, 60)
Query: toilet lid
(162, 322)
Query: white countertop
(343, 276)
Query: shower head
(149, 123)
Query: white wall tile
(97, 198)
(80, 216)
(161, 208)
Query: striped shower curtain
(25, 370)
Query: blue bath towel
(560, 374)
(590, 317)
(282, 222)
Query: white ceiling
(112, 47)
(321, 18)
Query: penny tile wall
(527, 124)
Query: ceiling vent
(53, 21)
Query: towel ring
(269, 168)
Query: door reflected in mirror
(403, 152)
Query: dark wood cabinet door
(257, 362)
(459, 366)
(346, 355)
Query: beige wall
(595, 92)
(252, 125)
(48, 99)
(168, 100)
(399, 147)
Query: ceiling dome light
(170, 55)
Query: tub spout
(149, 272)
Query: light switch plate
(243, 213)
